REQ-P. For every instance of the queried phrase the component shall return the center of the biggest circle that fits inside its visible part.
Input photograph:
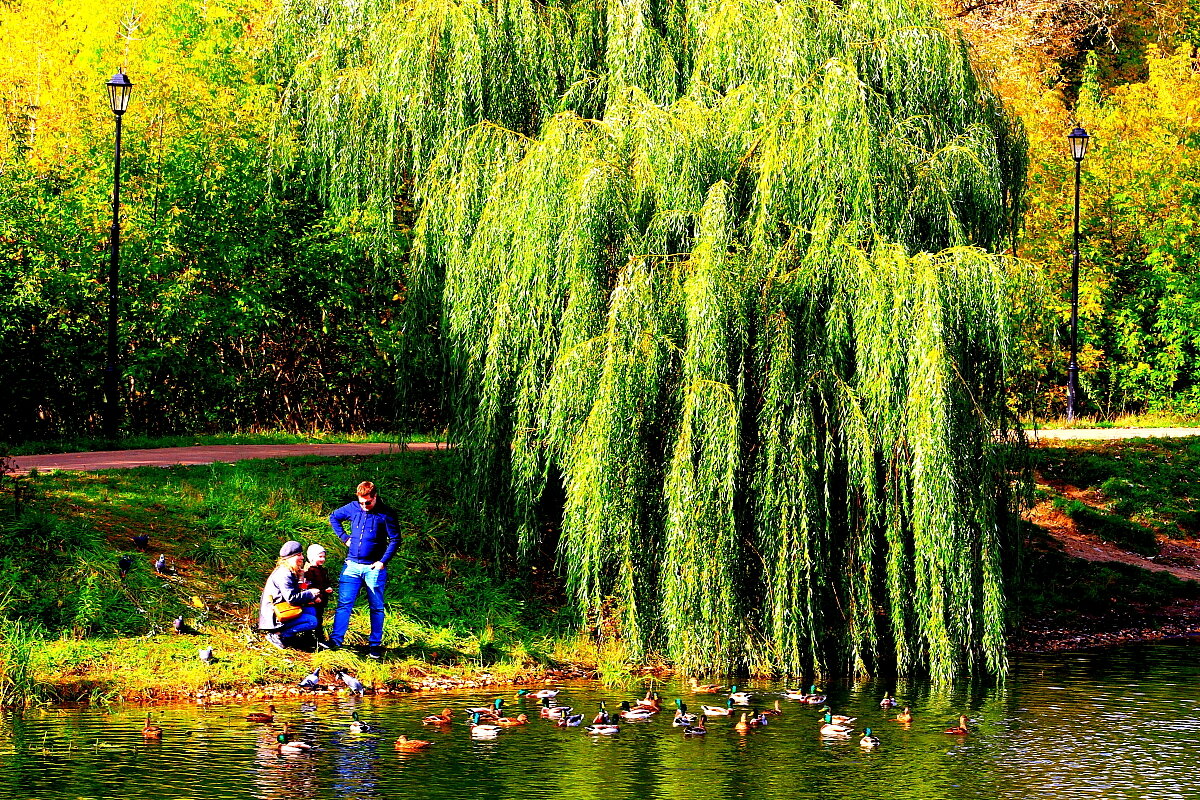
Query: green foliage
(683, 257)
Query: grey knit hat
(290, 549)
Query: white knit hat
(314, 550)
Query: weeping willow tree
(720, 273)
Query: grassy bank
(87, 444)
(76, 629)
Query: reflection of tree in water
(356, 765)
(283, 777)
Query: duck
(262, 716)
(740, 698)
(682, 717)
(358, 726)
(512, 722)
(407, 745)
(523, 693)
(758, 719)
(437, 719)
(904, 717)
(602, 717)
(290, 748)
(773, 712)
(705, 688)
(573, 721)
(481, 730)
(831, 728)
(698, 729)
(742, 725)
(651, 700)
(546, 694)
(635, 714)
(812, 698)
(718, 711)
(602, 729)
(494, 711)
(888, 701)
(150, 730)
(961, 728)
(795, 694)
(840, 719)
(553, 712)
(868, 741)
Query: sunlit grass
(90, 444)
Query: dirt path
(175, 456)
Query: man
(371, 542)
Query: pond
(1121, 723)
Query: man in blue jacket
(371, 542)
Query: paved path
(172, 456)
(1110, 433)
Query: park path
(228, 453)
(207, 454)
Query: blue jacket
(373, 536)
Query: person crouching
(283, 586)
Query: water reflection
(1106, 724)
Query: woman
(283, 585)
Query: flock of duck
(487, 722)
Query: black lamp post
(119, 89)
(1079, 144)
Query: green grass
(1154, 483)
(1147, 420)
(220, 526)
(93, 444)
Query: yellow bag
(286, 612)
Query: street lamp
(119, 89)
(1079, 144)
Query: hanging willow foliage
(718, 270)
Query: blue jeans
(354, 578)
(307, 621)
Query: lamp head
(1079, 143)
(119, 89)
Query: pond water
(1122, 723)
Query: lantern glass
(119, 90)
(1079, 143)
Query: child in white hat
(317, 577)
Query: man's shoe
(375, 652)
(274, 639)
(330, 644)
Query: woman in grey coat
(283, 585)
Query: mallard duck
(868, 742)
(739, 698)
(682, 717)
(494, 711)
(773, 712)
(150, 730)
(407, 745)
(795, 694)
(512, 722)
(437, 719)
(831, 728)
(522, 693)
(544, 694)
(602, 729)
(705, 688)
(635, 714)
(481, 730)
(742, 725)
(904, 717)
(961, 728)
(698, 729)
(651, 701)
(840, 719)
(718, 711)
(262, 716)
(812, 698)
(758, 719)
(357, 725)
(290, 748)
(548, 711)
(888, 701)
(573, 721)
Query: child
(318, 578)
